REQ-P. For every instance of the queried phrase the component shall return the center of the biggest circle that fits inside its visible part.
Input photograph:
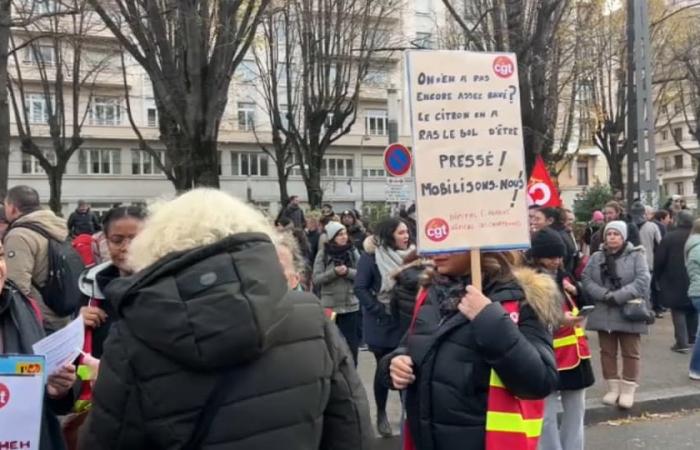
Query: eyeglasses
(120, 240)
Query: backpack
(60, 292)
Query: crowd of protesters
(209, 325)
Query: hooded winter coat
(453, 357)
(224, 310)
(19, 330)
(27, 255)
(631, 266)
(692, 264)
(670, 271)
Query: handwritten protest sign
(468, 151)
(21, 401)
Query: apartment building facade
(109, 168)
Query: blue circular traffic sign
(397, 160)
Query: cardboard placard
(21, 401)
(468, 151)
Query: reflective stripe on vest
(570, 343)
(511, 423)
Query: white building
(110, 169)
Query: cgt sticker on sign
(503, 67)
(437, 229)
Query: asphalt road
(658, 432)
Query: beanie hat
(547, 243)
(619, 226)
(333, 228)
(598, 216)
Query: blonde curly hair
(197, 218)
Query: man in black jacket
(294, 213)
(83, 221)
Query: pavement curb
(655, 402)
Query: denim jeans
(695, 358)
(569, 435)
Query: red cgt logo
(437, 229)
(4, 395)
(503, 67)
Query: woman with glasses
(120, 225)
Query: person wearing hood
(28, 251)
(212, 350)
(355, 229)
(692, 264)
(334, 273)
(571, 348)
(615, 275)
(472, 354)
(671, 274)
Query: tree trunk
(313, 187)
(616, 178)
(55, 181)
(205, 163)
(282, 182)
(5, 16)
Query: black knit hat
(547, 243)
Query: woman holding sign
(20, 328)
(473, 358)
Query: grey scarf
(388, 260)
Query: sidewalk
(664, 384)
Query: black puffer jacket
(224, 309)
(453, 357)
(403, 295)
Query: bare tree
(26, 12)
(58, 61)
(527, 28)
(190, 50)
(318, 59)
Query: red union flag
(540, 189)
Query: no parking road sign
(397, 160)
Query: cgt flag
(540, 189)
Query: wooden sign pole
(476, 267)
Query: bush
(593, 199)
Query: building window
(44, 6)
(679, 189)
(664, 135)
(246, 116)
(377, 77)
(249, 164)
(582, 173)
(373, 166)
(423, 6)
(151, 113)
(105, 111)
(677, 108)
(667, 163)
(30, 165)
(99, 161)
(337, 166)
(664, 109)
(37, 108)
(99, 58)
(247, 71)
(143, 163)
(678, 134)
(376, 122)
(424, 40)
(40, 54)
(678, 162)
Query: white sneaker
(694, 375)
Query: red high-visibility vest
(570, 343)
(511, 423)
